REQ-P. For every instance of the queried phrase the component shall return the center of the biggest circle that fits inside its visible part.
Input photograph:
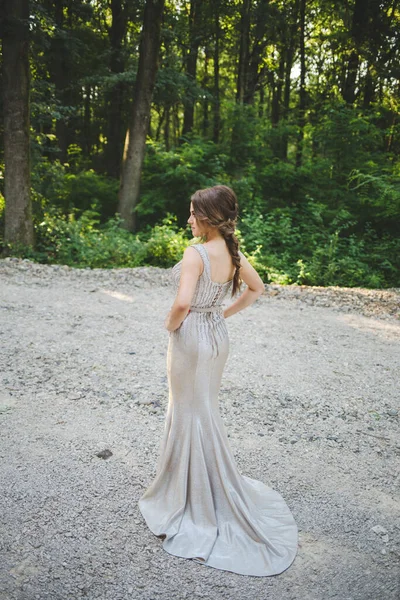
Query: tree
(191, 61)
(302, 91)
(359, 28)
(16, 77)
(116, 33)
(244, 50)
(135, 142)
(217, 103)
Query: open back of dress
(199, 503)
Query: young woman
(199, 503)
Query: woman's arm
(255, 288)
(191, 269)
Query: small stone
(145, 401)
(379, 530)
(104, 454)
(385, 538)
(392, 412)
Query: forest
(113, 112)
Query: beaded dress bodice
(208, 294)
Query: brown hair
(218, 207)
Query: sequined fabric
(199, 503)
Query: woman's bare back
(222, 268)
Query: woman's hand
(173, 323)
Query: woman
(199, 503)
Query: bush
(75, 191)
(81, 241)
(306, 245)
(164, 245)
(300, 245)
(170, 178)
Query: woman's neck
(213, 234)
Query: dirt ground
(310, 399)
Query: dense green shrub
(170, 178)
(71, 191)
(300, 245)
(305, 245)
(81, 241)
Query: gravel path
(310, 398)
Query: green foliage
(305, 245)
(300, 245)
(75, 191)
(164, 244)
(170, 178)
(378, 195)
(82, 241)
(2, 205)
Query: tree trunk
(302, 91)
(216, 107)
(18, 210)
(87, 119)
(135, 143)
(277, 85)
(261, 102)
(161, 116)
(115, 96)
(253, 73)
(369, 87)
(60, 74)
(358, 33)
(167, 128)
(276, 105)
(288, 71)
(191, 62)
(205, 85)
(176, 124)
(376, 43)
(244, 51)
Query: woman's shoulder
(193, 254)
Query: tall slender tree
(16, 76)
(217, 106)
(255, 69)
(60, 73)
(191, 61)
(358, 33)
(115, 97)
(302, 90)
(244, 50)
(135, 142)
(290, 53)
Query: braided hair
(218, 207)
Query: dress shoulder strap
(204, 255)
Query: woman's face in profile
(197, 230)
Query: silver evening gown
(199, 503)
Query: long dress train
(199, 503)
